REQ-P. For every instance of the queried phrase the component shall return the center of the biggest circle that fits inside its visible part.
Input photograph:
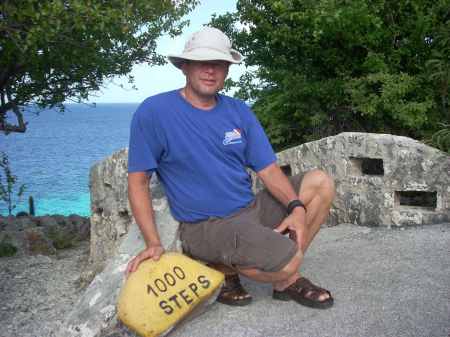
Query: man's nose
(209, 67)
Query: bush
(441, 139)
(7, 248)
(60, 238)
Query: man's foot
(233, 293)
(304, 292)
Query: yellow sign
(161, 293)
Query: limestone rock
(110, 211)
(95, 312)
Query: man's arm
(281, 188)
(278, 184)
(141, 206)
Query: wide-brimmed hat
(207, 44)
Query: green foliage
(31, 205)
(441, 139)
(55, 50)
(317, 68)
(6, 247)
(60, 238)
(7, 184)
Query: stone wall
(381, 180)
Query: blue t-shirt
(200, 156)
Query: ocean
(54, 156)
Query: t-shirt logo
(232, 137)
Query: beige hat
(207, 44)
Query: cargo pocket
(228, 253)
(246, 254)
(259, 247)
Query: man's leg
(241, 240)
(316, 192)
(232, 292)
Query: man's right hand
(153, 252)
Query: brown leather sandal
(304, 292)
(233, 293)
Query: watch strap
(294, 204)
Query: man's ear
(183, 67)
(228, 69)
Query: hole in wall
(416, 199)
(98, 210)
(367, 166)
(123, 213)
(287, 170)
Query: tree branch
(6, 127)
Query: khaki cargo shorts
(246, 238)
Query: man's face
(205, 78)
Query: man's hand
(295, 223)
(152, 252)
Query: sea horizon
(54, 156)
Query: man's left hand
(295, 222)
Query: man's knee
(322, 182)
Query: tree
(55, 50)
(441, 139)
(7, 184)
(320, 67)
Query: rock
(95, 312)
(60, 231)
(20, 214)
(46, 221)
(111, 214)
(81, 226)
(16, 223)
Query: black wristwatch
(293, 204)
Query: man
(200, 143)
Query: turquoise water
(66, 205)
(54, 156)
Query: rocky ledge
(41, 235)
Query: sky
(156, 79)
